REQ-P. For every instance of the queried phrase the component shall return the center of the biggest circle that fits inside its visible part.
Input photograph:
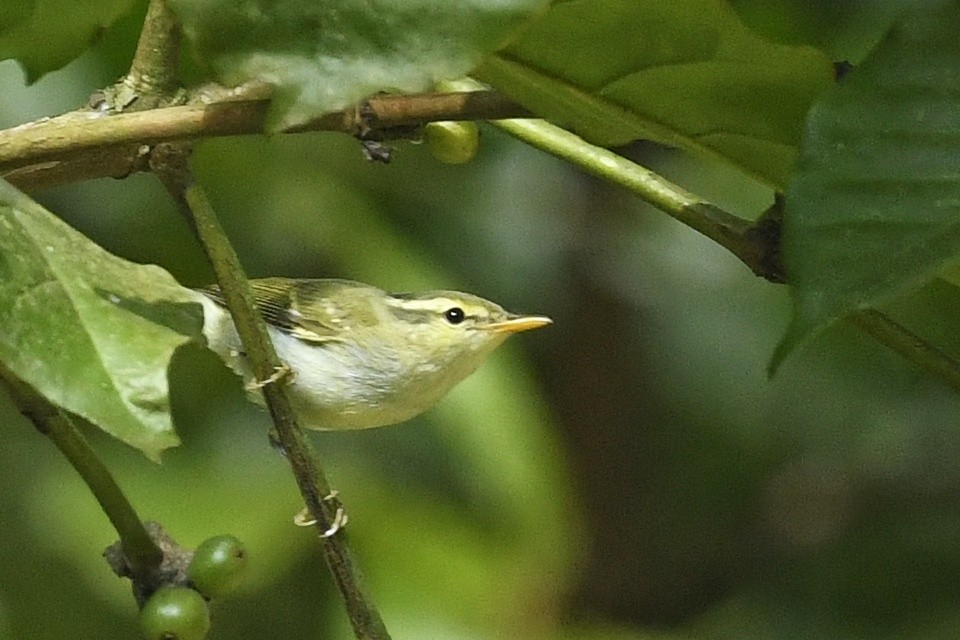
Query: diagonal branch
(140, 552)
(170, 164)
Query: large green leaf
(875, 206)
(686, 73)
(44, 35)
(323, 56)
(91, 332)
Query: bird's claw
(340, 518)
(282, 373)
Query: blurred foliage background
(628, 473)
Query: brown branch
(169, 163)
(30, 154)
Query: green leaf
(323, 56)
(874, 209)
(44, 35)
(687, 74)
(91, 332)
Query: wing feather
(278, 300)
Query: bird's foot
(283, 373)
(340, 518)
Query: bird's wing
(278, 301)
(326, 312)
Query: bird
(362, 357)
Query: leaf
(874, 209)
(91, 332)
(687, 74)
(323, 56)
(44, 35)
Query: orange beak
(517, 324)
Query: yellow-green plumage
(362, 357)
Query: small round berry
(452, 142)
(175, 613)
(218, 566)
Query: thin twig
(724, 228)
(141, 553)
(737, 235)
(170, 164)
(909, 345)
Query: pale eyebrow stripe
(417, 310)
(410, 301)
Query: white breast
(339, 385)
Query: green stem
(154, 67)
(142, 554)
(909, 345)
(729, 231)
(726, 229)
(170, 165)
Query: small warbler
(362, 357)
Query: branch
(152, 81)
(909, 345)
(142, 556)
(30, 154)
(741, 237)
(154, 66)
(169, 163)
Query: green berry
(218, 566)
(452, 142)
(175, 613)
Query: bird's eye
(454, 315)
